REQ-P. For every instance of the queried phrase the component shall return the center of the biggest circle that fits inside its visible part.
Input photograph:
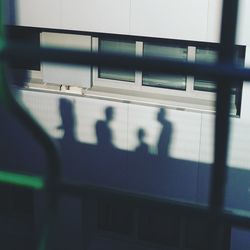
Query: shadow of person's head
(104, 133)
(165, 135)
(161, 115)
(141, 134)
(66, 109)
(109, 113)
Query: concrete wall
(66, 74)
(192, 134)
(189, 20)
(192, 20)
(183, 174)
(170, 19)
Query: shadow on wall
(140, 171)
(105, 165)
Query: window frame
(138, 84)
(111, 83)
(183, 99)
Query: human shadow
(104, 164)
(103, 130)
(138, 171)
(68, 120)
(101, 164)
(143, 147)
(165, 137)
(72, 158)
(108, 161)
(158, 171)
(72, 151)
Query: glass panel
(165, 80)
(119, 47)
(204, 85)
(207, 55)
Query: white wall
(39, 13)
(66, 74)
(172, 19)
(192, 137)
(128, 119)
(111, 16)
(189, 20)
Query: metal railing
(224, 72)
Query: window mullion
(190, 58)
(94, 48)
(139, 53)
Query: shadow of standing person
(142, 148)
(109, 161)
(165, 134)
(71, 148)
(103, 130)
(68, 121)
(72, 158)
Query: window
(205, 55)
(119, 47)
(194, 91)
(210, 55)
(164, 80)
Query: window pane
(119, 47)
(207, 55)
(204, 85)
(165, 80)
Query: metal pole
(224, 86)
(226, 56)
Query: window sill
(141, 96)
(152, 99)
